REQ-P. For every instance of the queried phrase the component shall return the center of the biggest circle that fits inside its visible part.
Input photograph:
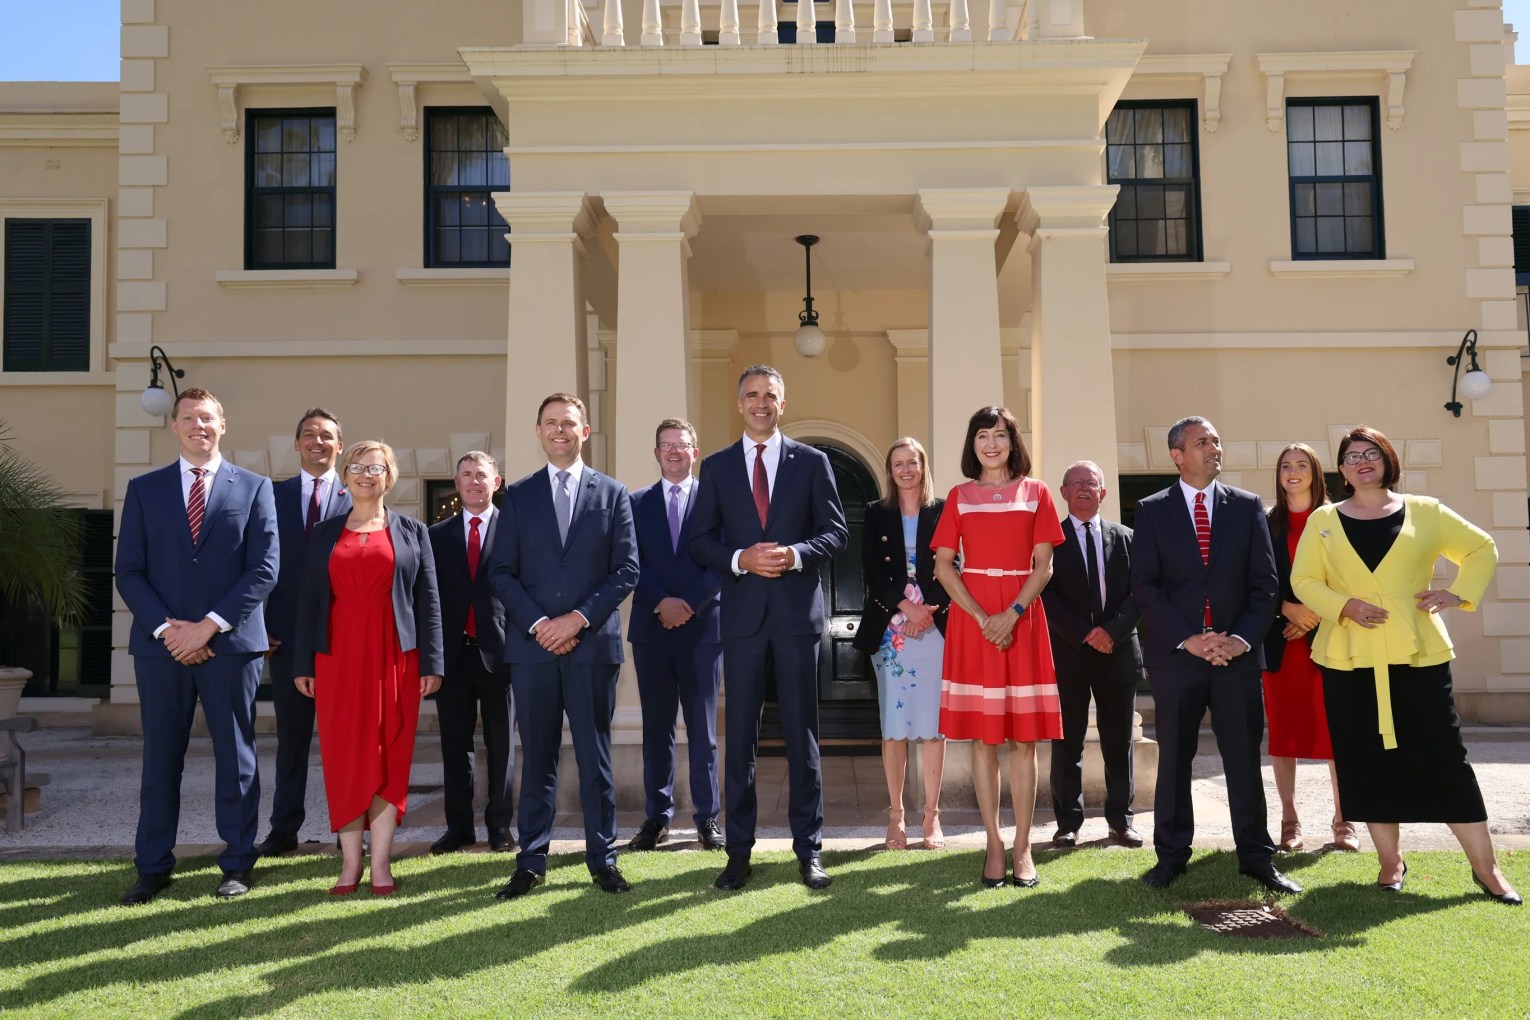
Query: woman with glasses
(1365, 565)
(368, 648)
(902, 628)
(1293, 685)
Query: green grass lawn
(897, 935)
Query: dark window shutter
(47, 295)
(1522, 243)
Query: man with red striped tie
(197, 554)
(1203, 574)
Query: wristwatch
(1019, 609)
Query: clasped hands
(428, 685)
(1217, 648)
(1299, 620)
(1000, 628)
(560, 634)
(767, 559)
(1430, 600)
(917, 618)
(674, 612)
(187, 642)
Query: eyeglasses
(675, 447)
(1356, 456)
(375, 470)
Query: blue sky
(33, 47)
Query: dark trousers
(167, 699)
(747, 662)
(544, 692)
(294, 743)
(467, 693)
(1114, 704)
(679, 676)
(1181, 695)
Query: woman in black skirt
(1364, 566)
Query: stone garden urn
(12, 680)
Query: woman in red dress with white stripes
(999, 684)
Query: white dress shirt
(483, 524)
(326, 484)
(772, 458)
(1189, 491)
(1097, 529)
(575, 475)
(211, 467)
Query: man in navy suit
(197, 554)
(1203, 574)
(564, 558)
(314, 494)
(1092, 622)
(675, 643)
(477, 683)
(767, 516)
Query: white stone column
(965, 367)
(1073, 399)
(911, 353)
(652, 321)
(546, 352)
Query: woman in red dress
(998, 684)
(1293, 684)
(369, 624)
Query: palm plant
(39, 539)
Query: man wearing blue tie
(564, 558)
(767, 516)
(197, 554)
(675, 643)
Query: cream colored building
(1315, 206)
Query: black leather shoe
(145, 889)
(1026, 883)
(735, 875)
(1508, 897)
(1064, 838)
(1162, 875)
(276, 844)
(1397, 886)
(1270, 877)
(813, 875)
(610, 880)
(649, 836)
(710, 835)
(235, 883)
(521, 883)
(450, 842)
(500, 840)
(1127, 836)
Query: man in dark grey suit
(1093, 625)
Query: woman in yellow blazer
(1364, 566)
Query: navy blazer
(805, 513)
(666, 571)
(229, 571)
(291, 518)
(1171, 587)
(535, 574)
(416, 599)
(459, 589)
(1066, 598)
(884, 566)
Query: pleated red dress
(987, 694)
(367, 691)
(1293, 696)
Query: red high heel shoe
(344, 890)
(384, 890)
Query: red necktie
(475, 549)
(761, 484)
(196, 504)
(313, 511)
(1203, 539)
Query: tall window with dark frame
(47, 295)
(290, 186)
(1334, 158)
(1150, 151)
(464, 162)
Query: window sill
(58, 378)
(491, 277)
(1130, 271)
(1352, 269)
(261, 279)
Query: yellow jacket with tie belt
(1327, 573)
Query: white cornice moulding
(289, 279)
(1443, 339)
(1277, 67)
(1132, 271)
(480, 277)
(57, 131)
(407, 76)
(424, 347)
(345, 78)
(69, 379)
(1350, 269)
(1209, 67)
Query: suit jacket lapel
(485, 540)
(337, 496)
(583, 499)
(1223, 501)
(217, 493)
(786, 468)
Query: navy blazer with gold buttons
(884, 564)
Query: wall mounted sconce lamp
(1474, 385)
(155, 401)
(809, 341)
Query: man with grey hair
(1092, 621)
(1203, 574)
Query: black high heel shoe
(991, 883)
(1510, 898)
(1397, 886)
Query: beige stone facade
(960, 190)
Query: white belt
(994, 572)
